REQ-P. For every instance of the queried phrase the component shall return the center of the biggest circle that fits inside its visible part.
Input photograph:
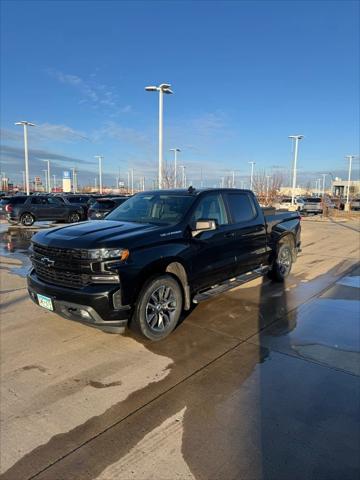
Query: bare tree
(267, 187)
(168, 175)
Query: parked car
(286, 203)
(310, 205)
(158, 253)
(103, 206)
(355, 204)
(80, 201)
(26, 210)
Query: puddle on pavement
(15, 243)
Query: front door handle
(229, 235)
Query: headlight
(107, 253)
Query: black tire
(74, 217)
(27, 219)
(158, 308)
(281, 267)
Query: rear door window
(53, 201)
(242, 208)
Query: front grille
(68, 254)
(60, 277)
(68, 269)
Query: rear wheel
(27, 219)
(158, 309)
(74, 217)
(282, 265)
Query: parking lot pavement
(259, 383)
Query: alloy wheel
(160, 308)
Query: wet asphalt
(262, 382)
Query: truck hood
(98, 234)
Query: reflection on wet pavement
(327, 328)
(14, 243)
(260, 384)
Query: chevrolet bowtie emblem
(47, 262)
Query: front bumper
(92, 305)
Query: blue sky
(245, 76)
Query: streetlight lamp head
(151, 88)
(299, 137)
(24, 122)
(167, 90)
(164, 86)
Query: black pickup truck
(158, 253)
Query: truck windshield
(156, 208)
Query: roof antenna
(191, 189)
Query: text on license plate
(45, 302)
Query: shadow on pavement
(253, 408)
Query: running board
(230, 284)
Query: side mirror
(203, 226)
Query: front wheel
(74, 217)
(282, 265)
(158, 308)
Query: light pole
(100, 158)
(23, 178)
(296, 138)
(162, 88)
(26, 153)
(323, 185)
(132, 181)
(183, 181)
(74, 179)
(54, 182)
(46, 180)
(48, 175)
(347, 205)
(252, 174)
(3, 181)
(175, 150)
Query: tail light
(8, 208)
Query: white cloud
(115, 131)
(59, 132)
(209, 123)
(92, 92)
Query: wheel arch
(171, 266)
(288, 237)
